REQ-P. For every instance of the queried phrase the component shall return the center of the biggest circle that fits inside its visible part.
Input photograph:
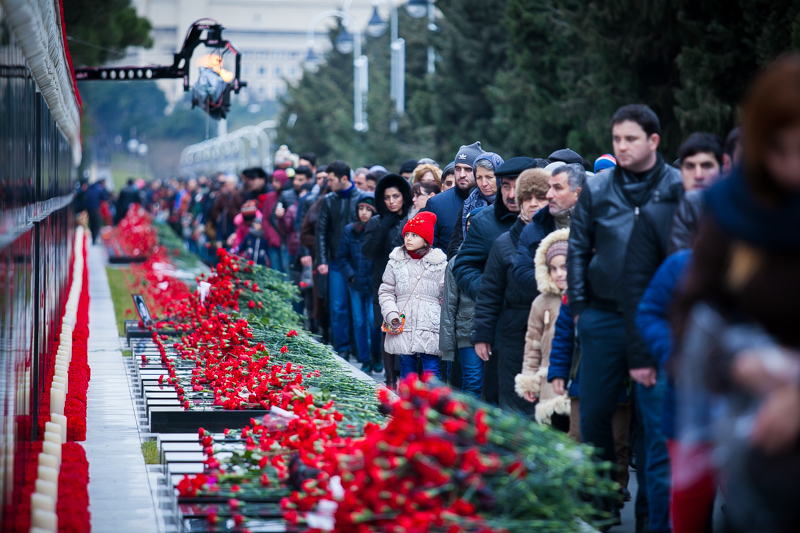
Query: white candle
(46, 520)
(61, 380)
(55, 438)
(42, 502)
(38, 530)
(54, 428)
(58, 385)
(61, 420)
(48, 461)
(47, 474)
(61, 372)
(58, 398)
(47, 488)
(51, 448)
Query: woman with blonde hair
(427, 172)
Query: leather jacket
(601, 227)
(336, 212)
(686, 221)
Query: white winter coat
(422, 308)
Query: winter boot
(388, 366)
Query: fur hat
(533, 182)
(422, 224)
(559, 242)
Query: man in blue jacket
(564, 188)
(447, 206)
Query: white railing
(246, 147)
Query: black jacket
(601, 228)
(499, 298)
(484, 228)
(336, 212)
(384, 232)
(542, 225)
(647, 249)
(686, 221)
(129, 195)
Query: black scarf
(638, 186)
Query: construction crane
(203, 31)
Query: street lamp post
(418, 9)
(397, 83)
(360, 62)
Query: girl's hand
(558, 386)
(531, 397)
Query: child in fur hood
(411, 297)
(551, 280)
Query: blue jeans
(275, 259)
(368, 336)
(603, 371)
(651, 406)
(339, 308)
(408, 364)
(471, 371)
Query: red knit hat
(422, 224)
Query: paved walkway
(120, 498)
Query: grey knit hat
(467, 154)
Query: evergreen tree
(101, 31)
(473, 47)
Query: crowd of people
(640, 305)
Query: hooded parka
(539, 337)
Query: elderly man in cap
(485, 228)
(501, 310)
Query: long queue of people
(641, 306)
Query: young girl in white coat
(411, 297)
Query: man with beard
(485, 228)
(501, 310)
(448, 205)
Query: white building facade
(270, 34)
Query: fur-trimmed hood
(544, 282)
(433, 258)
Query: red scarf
(415, 255)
